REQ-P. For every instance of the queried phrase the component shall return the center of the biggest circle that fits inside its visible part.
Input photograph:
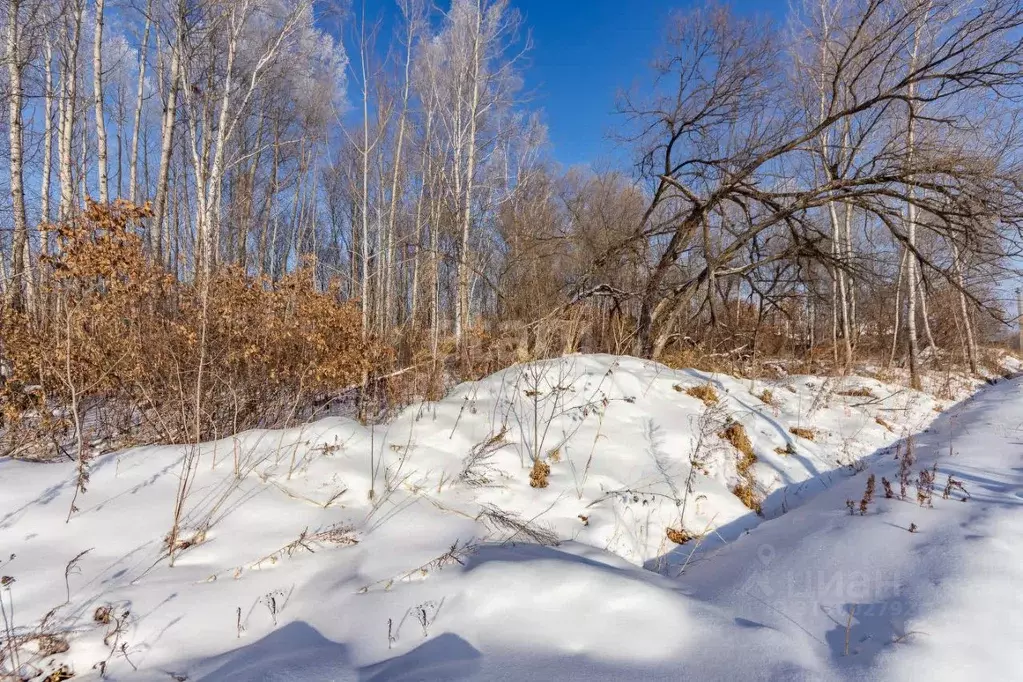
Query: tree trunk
(926, 318)
(20, 293)
(911, 271)
(137, 123)
(417, 241)
(463, 313)
(166, 147)
(44, 185)
(971, 345)
(69, 88)
(97, 98)
(364, 212)
(898, 307)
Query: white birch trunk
(97, 98)
(47, 171)
(137, 122)
(69, 94)
(166, 148)
(20, 291)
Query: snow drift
(432, 547)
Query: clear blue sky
(584, 52)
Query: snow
(438, 575)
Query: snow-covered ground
(449, 569)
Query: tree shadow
(789, 497)
(863, 630)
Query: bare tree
(722, 146)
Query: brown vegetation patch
(745, 490)
(862, 392)
(808, 434)
(679, 536)
(704, 392)
(162, 359)
(735, 433)
(539, 474)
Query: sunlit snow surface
(807, 591)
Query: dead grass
(868, 496)
(336, 535)
(704, 392)
(679, 536)
(735, 434)
(862, 392)
(701, 359)
(748, 496)
(885, 424)
(539, 475)
(767, 397)
(808, 434)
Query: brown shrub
(704, 392)
(115, 334)
(539, 474)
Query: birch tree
(69, 48)
(19, 293)
(97, 98)
(136, 127)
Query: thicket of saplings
(117, 352)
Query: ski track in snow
(809, 592)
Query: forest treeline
(214, 205)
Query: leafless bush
(954, 484)
(925, 486)
(478, 469)
(500, 521)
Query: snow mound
(423, 548)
